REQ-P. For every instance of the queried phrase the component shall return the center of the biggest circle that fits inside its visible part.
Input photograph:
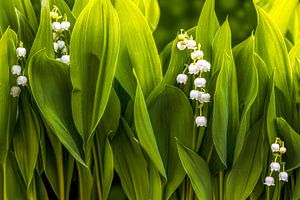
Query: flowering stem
(268, 193)
(98, 183)
(221, 181)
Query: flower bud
(16, 69)
(181, 78)
(282, 150)
(196, 55)
(201, 121)
(181, 36)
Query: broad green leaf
(247, 169)
(16, 188)
(44, 36)
(41, 192)
(156, 185)
(58, 164)
(79, 5)
(296, 195)
(130, 165)
(85, 182)
(7, 16)
(8, 104)
(207, 27)
(225, 114)
(93, 66)
(144, 130)
(51, 88)
(281, 13)
(270, 46)
(197, 171)
(172, 116)
(248, 87)
(296, 73)
(292, 141)
(102, 150)
(140, 45)
(294, 53)
(26, 33)
(293, 28)
(26, 140)
(26, 8)
(152, 13)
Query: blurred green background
(177, 14)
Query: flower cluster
(196, 68)
(278, 149)
(17, 71)
(60, 32)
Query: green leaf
(130, 165)
(26, 140)
(248, 87)
(247, 169)
(79, 5)
(296, 195)
(25, 7)
(8, 104)
(145, 131)
(44, 36)
(270, 46)
(172, 116)
(93, 66)
(292, 141)
(7, 16)
(140, 45)
(197, 171)
(51, 88)
(207, 27)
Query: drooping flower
(203, 65)
(22, 80)
(21, 52)
(195, 94)
(65, 25)
(193, 69)
(61, 44)
(65, 59)
(16, 69)
(181, 78)
(200, 82)
(275, 147)
(275, 166)
(269, 181)
(56, 26)
(181, 45)
(283, 176)
(201, 121)
(204, 98)
(55, 45)
(15, 91)
(191, 44)
(196, 55)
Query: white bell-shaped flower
(65, 59)
(15, 91)
(65, 25)
(191, 44)
(21, 52)
(200, 82)
(195, 94)
(193, 69)
(269, 181)
(275, 166)
(61, 44)
(275, 147)
(196, 55)
(204, 98)
(56, 26)
(16, 69)
(181, 78)
(22, 80)
(181, 45)
(203, 66)
(282, 150)
(283, 176)
(201, 121)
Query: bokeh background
(177, 14)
